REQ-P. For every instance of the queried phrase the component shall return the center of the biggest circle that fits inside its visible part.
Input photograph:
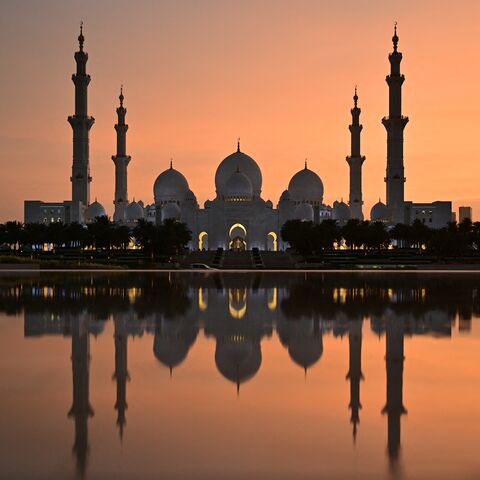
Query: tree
(299, 235)
(377, 236)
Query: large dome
(95, 210)
(379, 212)
(247, 165)
(304, 212)
(171, 210)
(170, 185)
(238, 187)
(306, 186)
(341, 211)
(134, 212)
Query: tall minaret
(81, 124)
(121, 160)
(394, 124)
(355, 160)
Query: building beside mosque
(237, 217)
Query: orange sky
(279, 74)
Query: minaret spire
(355, 161)
(395, 124)
(121, 161)
(81, 123)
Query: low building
(67, 211)
(434, 215)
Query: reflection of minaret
(121, 160)
(81, 124)
(355, 371)
(395, 124)
(81, 408)
(394, 363)
(121, 372)
(355, 160)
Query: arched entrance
(203, 241)
(238, 237)
(272, 242)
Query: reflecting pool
(240, 375)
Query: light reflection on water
(273, 375)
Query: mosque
(237, 217)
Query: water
(236, 376)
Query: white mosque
(238, 217)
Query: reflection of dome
(379, 212)
(238, 358)
(172, 342)
(246, 165)
(95, 210)
(303, 338)
(305, 351)
(238, 187)
(171, 210)
(306, 186)
(341, 211)
(304, 212)
(134, 212)
(170, 185)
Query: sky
(279, 74)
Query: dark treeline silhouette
(309, 238)
(169, 238)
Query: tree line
(169, 238)
(309, 238)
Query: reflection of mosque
(239, 311)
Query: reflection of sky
(283, 422)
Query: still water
(236, 376)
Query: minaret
(121, 372)
(355, 371)
(355, 160)
(394, 362)
(121, 160)
(394, 124)
(81, 124)
(81, 409)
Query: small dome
(171, 210)
(341, 211)
(170, 185)
(247, 165)
(304, 212)
(95, 210)
(190, 197)
(134, 212)
(238, 186)
(379, 212)
(306, 186)
(285, 196)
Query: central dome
(238, 161)
(238, 186)
(306, 186)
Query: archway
(272, 241)
(238, 237)
(203, 241)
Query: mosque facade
(238, 217)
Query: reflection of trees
(374, 294)
(99, 294)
